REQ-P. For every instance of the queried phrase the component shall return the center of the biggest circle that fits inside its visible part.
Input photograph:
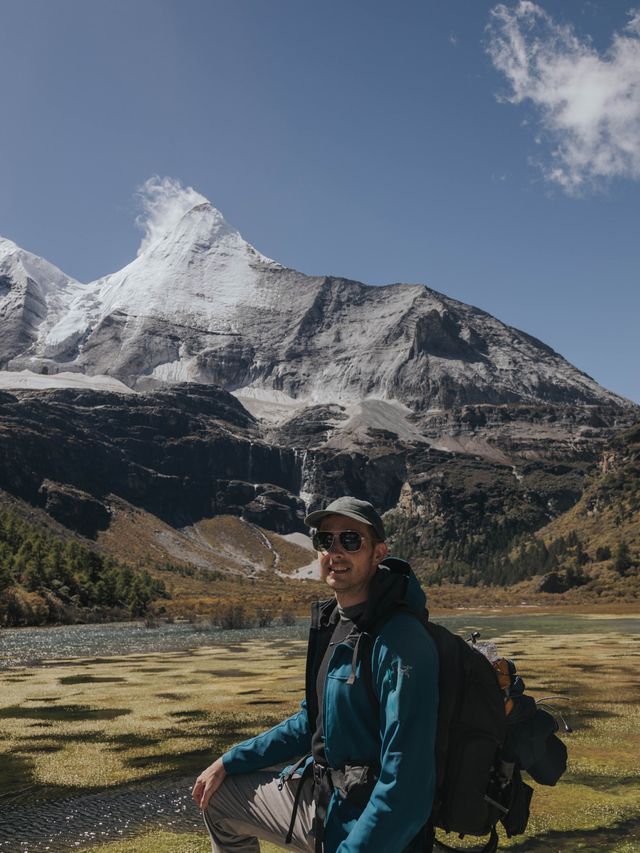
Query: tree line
(495, 557)
(45, 578)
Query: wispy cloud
(164, 202)
(588, 103)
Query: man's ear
(380, 551)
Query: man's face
(349, 573)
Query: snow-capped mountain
(200, 304)
(194, 279)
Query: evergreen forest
(44, 578)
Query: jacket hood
(394, 583)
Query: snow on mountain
(31, 290)
(196, 277)
(199, 274)
(25, 379)
(200, 304)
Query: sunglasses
(350, 540)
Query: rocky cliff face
(180, 454)
(190, 452)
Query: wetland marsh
(106, 741)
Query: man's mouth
(338, 569)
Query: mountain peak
(203, 225)
(199, 228)
(7, 247)
(18, 263)
(171, 212)
(206, 208)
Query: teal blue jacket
(396, 738)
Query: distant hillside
(605, 523)
(221, 568)
(593, 549)
(478, 529)
(49, 578)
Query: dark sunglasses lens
(350, 540)
(322, 541)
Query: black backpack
(478, 781)
(475, 787)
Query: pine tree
(622, 558)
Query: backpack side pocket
(516, 819)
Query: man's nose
(336, 544)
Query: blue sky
(491, 151)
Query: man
(366, 728)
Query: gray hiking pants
(249, 807)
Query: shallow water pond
(29, 646)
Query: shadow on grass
(602, 783)
(40, 748)
(62, 713)
(582, 719)
(190, 715)
(120, 743)
(115, 659)
(44, 699)
(17, 773)
(233, 673)
(154, 668)
(186, 762)
(584, 840)
(36, 744)
(90, 679)
(67, 737)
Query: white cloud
(164, 202)
(588, 103)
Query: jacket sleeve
(405, 679)
(289, 739)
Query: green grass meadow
(80, 725)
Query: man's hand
(208, 783)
